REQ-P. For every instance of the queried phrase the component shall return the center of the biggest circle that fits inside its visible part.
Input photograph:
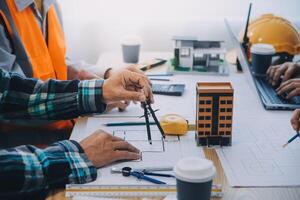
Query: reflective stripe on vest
(47, 61)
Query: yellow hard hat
(277, 31)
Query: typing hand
(285, 72)
(102, 149)
(290, 87)
(295, 120)
(126, 85)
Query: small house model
(191, 54)
(214, 113)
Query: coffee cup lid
(263, 49)
(195, 170)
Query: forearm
(79, 70)
(27, 169)
(23, 98)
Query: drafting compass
(149, 111)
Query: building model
(191, 54)
(214, 113)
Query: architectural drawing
(260, 160)
(138, 139)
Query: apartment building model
(214, 113)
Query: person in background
(32, 43)
(287, 76)
(27, 172)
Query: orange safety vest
(47, 58)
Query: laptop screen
(240, 54)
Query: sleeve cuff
(82, 169)
(90, 96)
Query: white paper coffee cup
(131, 49)
(261, 58)
(194, 178)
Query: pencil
(128, 123)
(159, 79)
(153, 75)
(292, 139)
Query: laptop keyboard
(271, 93)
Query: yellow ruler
(114, 191)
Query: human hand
(126, 85)
(288, 70)
(120, 105)
(86, 75)
(295, 120)
(102, 149)
(290, 88)
(133, 68)
(81, 74)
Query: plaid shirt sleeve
(24, 98)
(28, 170)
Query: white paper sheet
(256, 157)
(155, 155)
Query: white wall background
(96, 26)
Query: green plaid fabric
(27, 171)
(27, 98)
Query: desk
(246, 99)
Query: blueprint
(162, 153)
(257, 158)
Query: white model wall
(95, 26)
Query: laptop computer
(267, 94)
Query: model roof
(214, 87)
